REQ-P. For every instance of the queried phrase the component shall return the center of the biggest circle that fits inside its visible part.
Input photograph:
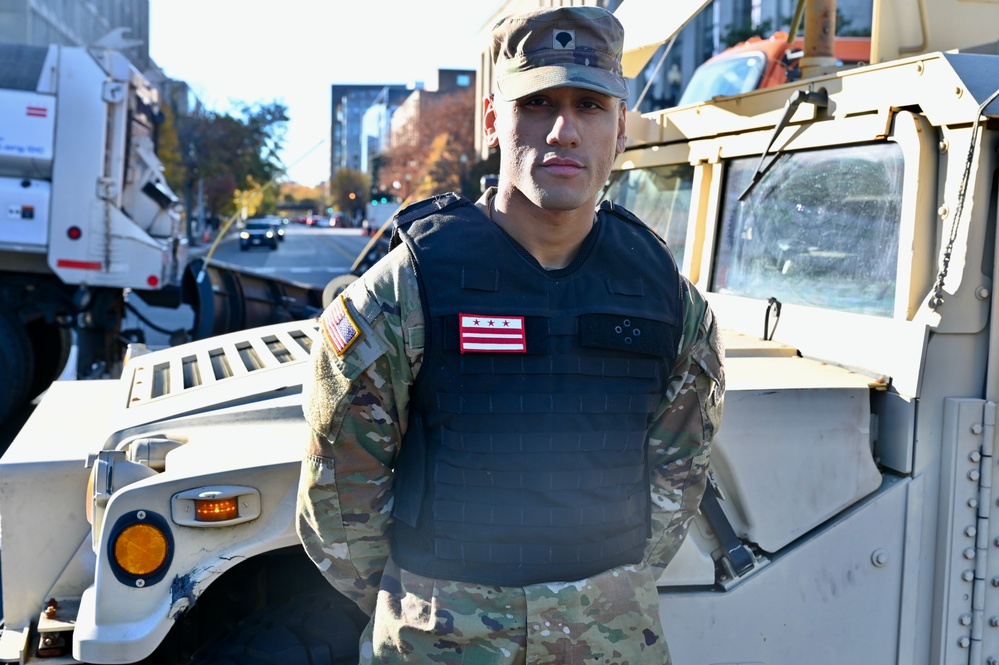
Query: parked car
(258, 232)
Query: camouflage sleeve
(680, 438)
(356, 401)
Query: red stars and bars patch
(339, 327)
(491, 334)
(37, 111)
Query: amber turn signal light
(216, 510)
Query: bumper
(125, 642)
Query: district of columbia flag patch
(491, 334)
(339, 327)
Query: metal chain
(938, 292)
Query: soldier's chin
(564, 200)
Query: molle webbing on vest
(521, 468)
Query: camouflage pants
(611, 619)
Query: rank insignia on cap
(563, 39)
(339, 327)
(492, 334)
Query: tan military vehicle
(844, 229)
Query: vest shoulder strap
(626, 215)
(422, 209)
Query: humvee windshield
(821, 228)
(660, 197)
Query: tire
(17, 365)
(335, 287)
(50, 345)
(313, 628)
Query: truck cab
(761, 63)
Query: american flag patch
(491, 334)
(340, 329)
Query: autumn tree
(232, 154)
(168, 149)
(293, 194)
(349, 190)
(436, 153)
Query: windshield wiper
(819, 99)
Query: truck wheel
(51, 345)
(314, 628)
(16, 364)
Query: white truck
(86, 215)
(85, 211)
(844, 229)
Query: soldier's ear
(622, 139)
(489, 121)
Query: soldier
(513, 410)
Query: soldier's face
(557, 147)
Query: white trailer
(85, 211)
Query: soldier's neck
(552, 237)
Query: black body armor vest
(525, 456)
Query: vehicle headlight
(244, 235)
(140, 548)
(270, 234)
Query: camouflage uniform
(357, 405)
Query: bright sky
(292, 51)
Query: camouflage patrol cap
(558, 47)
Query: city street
(308, 255)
